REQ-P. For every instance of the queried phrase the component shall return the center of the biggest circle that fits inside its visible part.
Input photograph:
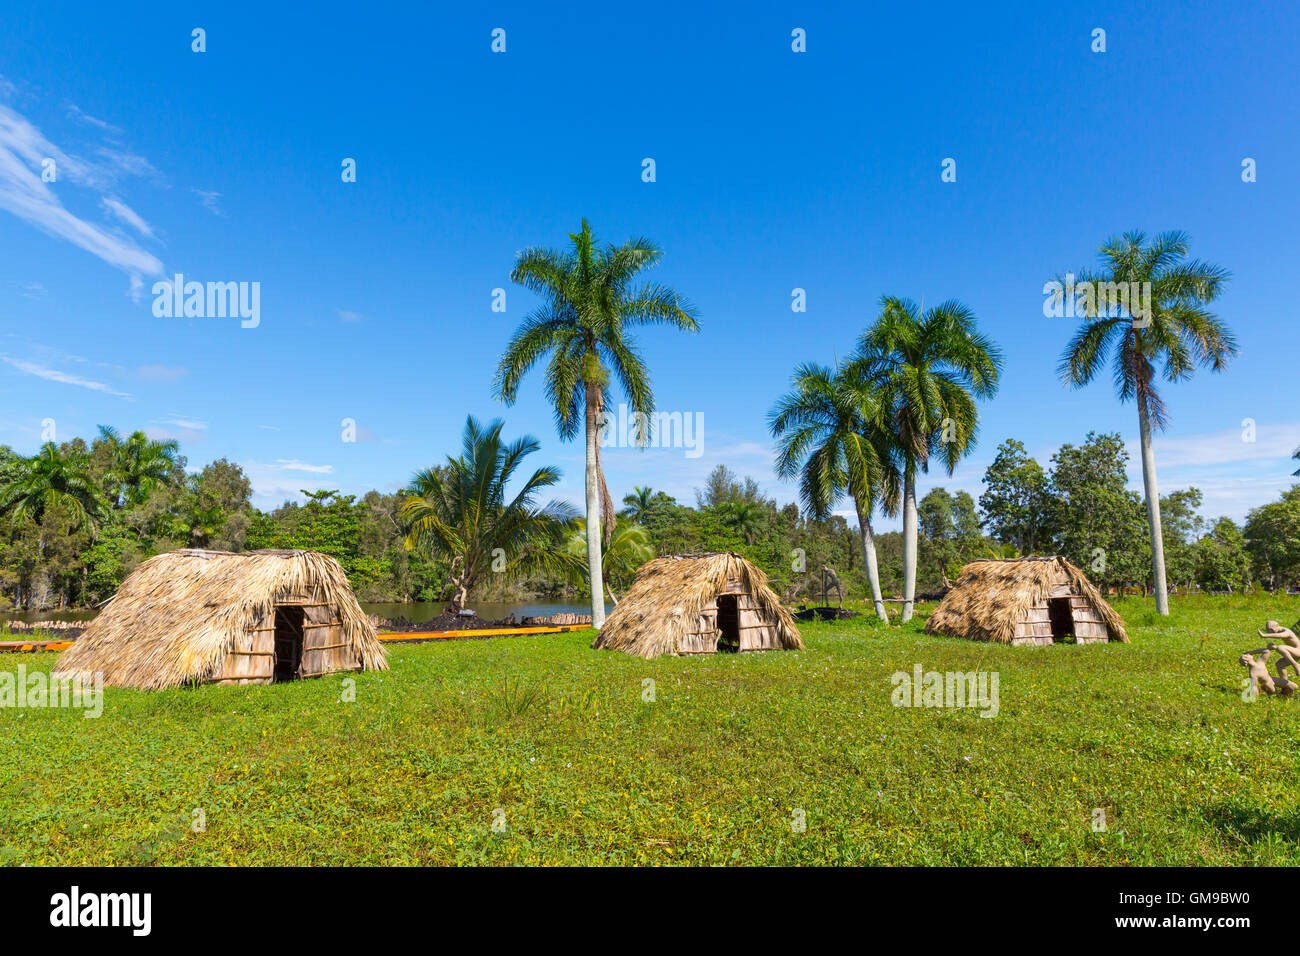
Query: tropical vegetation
(467, 513)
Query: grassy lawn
(558, 739)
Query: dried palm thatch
(688, 604)
(197, 616)
(1025, 601)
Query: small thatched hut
(1026, 601)
(698, 604)
(216, 617)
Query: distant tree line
(1082, 509)
(77, 517)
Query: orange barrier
(390, 637)
(31, 647)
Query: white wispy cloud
(1265, 441)
(31, 290)
(127, 215)
(183, 422)
(209, 199)
(292, 464)
(77, 113)
(279, 481)
(176, 427)
(63, 378)
(183, 435)
(347, 315)
(24, 151)
(161, 373)
(119, 163)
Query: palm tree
(1296, 455)
(628, 548)
(138, 466)
(589, 306)
(928, 368)
(743, 517)
(460, 512)
(830, 434)
(638, 503)
(49, 480)
(1178, 330)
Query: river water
(488, 611)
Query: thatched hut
(1026, 601)
(194, 616)
(698, 604)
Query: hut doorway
(728, 624)
(288, 642)
(1062, 618)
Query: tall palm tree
(583, 324)
(138, 465)
(928, 368)
(638, 503)
(1179, 331)
(460, 512)
(49, 480)
(628, 548)
(830, 435)
(743, 517)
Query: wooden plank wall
(703, 638)
(252, 660)
(1036, 629)
(757, 632)
(1089, 628)
(323, 650)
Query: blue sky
(775, 170)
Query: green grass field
(554, 742)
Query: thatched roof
(661, 607)
(176, 616)
(991, 597)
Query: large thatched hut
(1026, 601)
(698, 604)
(215, 617)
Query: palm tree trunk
(869, 561)
(594, 576)
(1153, 509)
(909, 546)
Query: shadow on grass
(1251, 824)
